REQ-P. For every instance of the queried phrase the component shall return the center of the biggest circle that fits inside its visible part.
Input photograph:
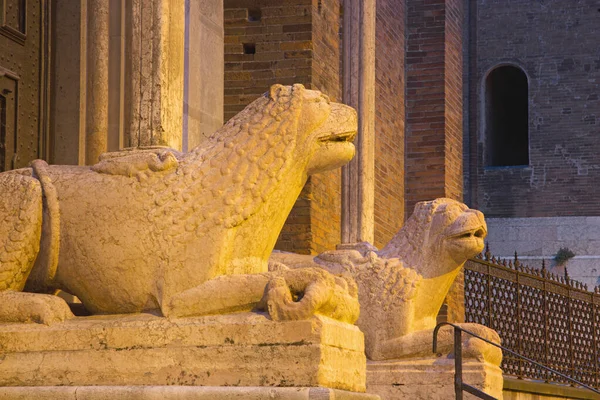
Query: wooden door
(23, 81)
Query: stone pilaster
(204, 71)
(96, 126)
(358, 177)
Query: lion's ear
(274, 91)
(298, 86)
(421, 205)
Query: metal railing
(460, 386)
(548, 318)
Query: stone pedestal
(177, 393)
(430, 378)
(138, 355)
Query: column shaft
(97, 80)
(359, 91)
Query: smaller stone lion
(402, 287)
(184, 234)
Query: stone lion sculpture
(183, 233)
(402, 287)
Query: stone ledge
(430, 378)
(244, 349)
(177, 393)
(538, 388)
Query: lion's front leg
(221, 295)
(32, 307)
(475, 348)
(284, 294)
(420, 344)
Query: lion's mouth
(478, 233)
(468, 242)
(339, 137)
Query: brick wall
(389, 119)
(434, 112)
(294, 41)
(433, 101)
(281, 37)
(425, 102)
(555, 43)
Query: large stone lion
(402, 287)
(185, 234)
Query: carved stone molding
(18, 16)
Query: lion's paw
(478, 349)
(302, 293)
(32, 307)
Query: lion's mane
(410, 243)
(225, 180)
(391, 275)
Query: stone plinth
(244, 349)
(430, 378)
(178, 393)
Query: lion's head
(325, 129)
(265, 153)
(438, 237)
(287, 125)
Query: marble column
(96, 126)
(358, 177)
(154, 72)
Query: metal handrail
(460, 386)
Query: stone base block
(245, 349)
(430, 378)
(177, 393)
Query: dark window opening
(249, 48)
(22, 16)
(254, 14)
(507, 117)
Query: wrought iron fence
(551, 319)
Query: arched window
(506, 117)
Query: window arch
(506, 117)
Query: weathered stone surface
(537, 239)
(203, 107)
(524, 389)
(97, 85)
(245, 349)
(154, 58)
(358, 177)
(178, 392)
(430, 378)
(183, 233)
(402, 287)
